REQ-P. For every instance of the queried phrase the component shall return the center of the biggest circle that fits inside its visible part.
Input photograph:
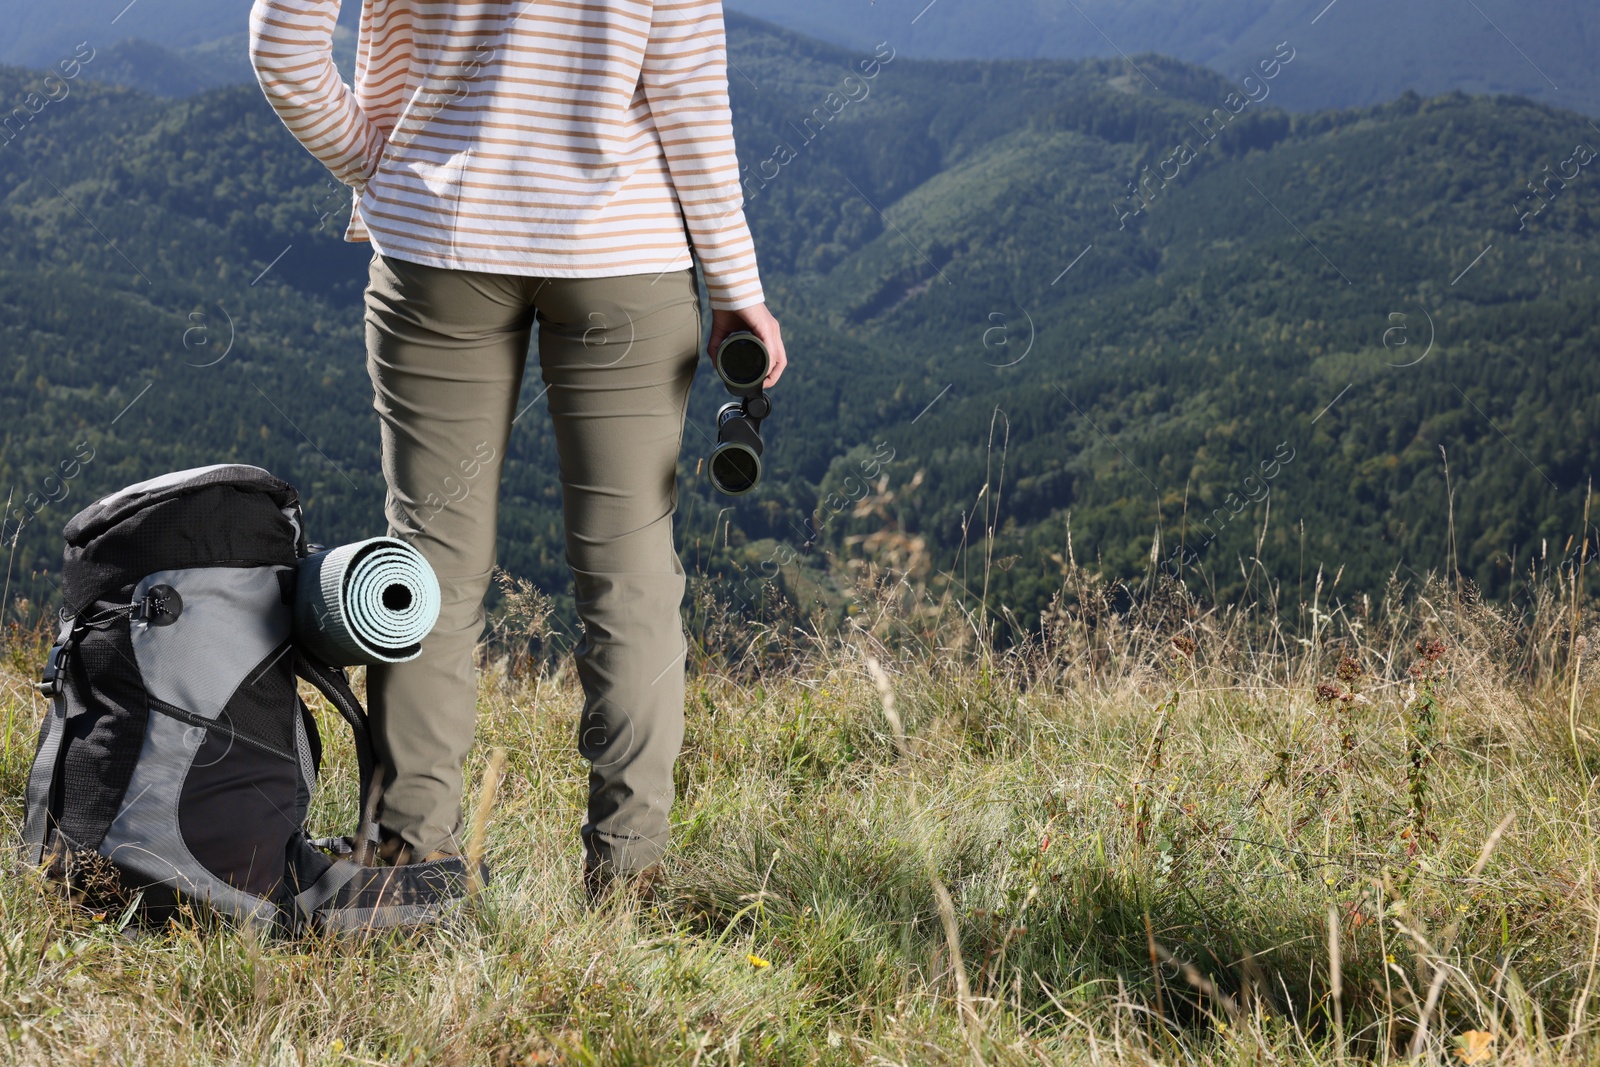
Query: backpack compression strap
(45, 774)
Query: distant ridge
(1353, 52)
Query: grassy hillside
(1154, 832)
(973, 292)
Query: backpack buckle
(55, 664)
(49, 682)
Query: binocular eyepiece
(743, 363)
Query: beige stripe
(665, 241)
(562, 265)
(586, 232)
(581, 135)
(589, 230)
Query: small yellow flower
(1475, 1046)
(1389, 958)
(757, 961)
(337, 1046)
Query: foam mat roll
(368, 602)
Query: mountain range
(1070, 309)
(1352, 52)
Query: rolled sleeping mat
(369, 602)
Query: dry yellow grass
(1144, 837)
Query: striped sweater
(560, 138)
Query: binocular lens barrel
(736, 461)
(735, 468)
(742, 363)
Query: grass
(1153, 834)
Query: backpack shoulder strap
(335, 685)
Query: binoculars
(742, 362)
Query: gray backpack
(176, 763)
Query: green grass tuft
(1144, 841)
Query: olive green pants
(446, 351)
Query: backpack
(177, 760)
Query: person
(522, 167)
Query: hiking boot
(604, 882)
(395, 851)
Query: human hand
(759, 321)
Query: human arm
(291, 49)
(685, 79)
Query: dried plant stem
(972, 1025)
(1577, 582)
(369, 819)
(1155, 964)
(1192, 975)
(1441, 969)
(1336, 980)
(480, 818)
(1572, 709)
(5, 598)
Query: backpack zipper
(189, 718)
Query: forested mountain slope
(1118, 306)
